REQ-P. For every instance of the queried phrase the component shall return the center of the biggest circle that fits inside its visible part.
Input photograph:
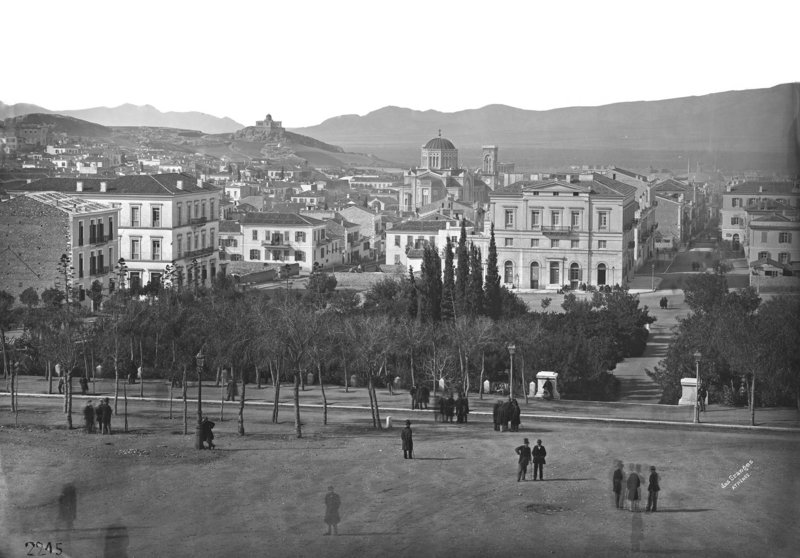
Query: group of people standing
(102, 414)
(526, 454)
(449, 407)
(630, 489)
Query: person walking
(413, 392)
(207, 433)
(88, 417)
(633, 490)
(618, 480)
(84, 382)
(652, 491)
(106, 417)
(515, 416)
(98, 413)
(408, 442)
(702, 393)
(539, 454)
(525, 456)
(332, 503)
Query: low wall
(361, 281)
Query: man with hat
(652, 490)
(538, 460)
(88, 417)
(524, 452)
(408, 443)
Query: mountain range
(133, 115)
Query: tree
(704, 291)
(52, 297)
(431, 289)
(29, 297)
(493, 298)
(6, 302)
(462, 269)
(96, 294)
(473, 301)
(321, 283)
(448, 303)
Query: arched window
(601, 274)
(508, 274)
(534, 275)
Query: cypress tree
(462, 271)
(492, 287)
(410, 295)
(474, 295)
(431, 285)
(448, 311)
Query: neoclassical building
(439, 176)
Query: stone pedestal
(353, 381)
(441, 384)
(531, 389)
(541, 378)
(310, 379)
(487, 386)
(388, 422)
(688, 391)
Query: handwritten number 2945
(43, 548)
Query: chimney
(179, 184)
(103, 186)
(79, 186)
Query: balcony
(100, 239)
(559, 231)
(199, 253)
(99, 271)
(198, 221)
(277, 244)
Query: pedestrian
(437, 401)
(232, 391)
(408, 442)
(633, 490)
(84, 382)
(207, 433)
(619, 479)
(702, 393)
(524, 452)
(98, 413)
(460, 408)
(450, 407)
(496, 414)
(88, 417)
(332, 503)
(515, 416)
(413, 392)
(131, 372)
(106, 417)
(61, 384)
(539, 454)
(652, 491)
(465, 406)
(443, 408)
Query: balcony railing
(100, 238)
(100, 271)
(277, 244)
(198, 253)
(558, 230)
(198, 221)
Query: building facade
(281, 238)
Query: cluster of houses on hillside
(145, 218)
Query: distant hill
(61, 124)
(758, 125)
(134, 115)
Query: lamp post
(200, 358)
(697, 357)
(653, 277)
(511, 350)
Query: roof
(630, 173)
(769, 261)
(439, 143)
(68, 204)
(762, 187)
(670, 185)
(228, 226)
(422, 226)
(614, 185)
(291, 219)
(149, 184)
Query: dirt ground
(147, 493)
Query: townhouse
(280, 238)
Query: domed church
(439, 177)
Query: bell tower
(489, 166)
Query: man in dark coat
(538, 460)
(106, 417)
(524, 452)
(207, 433)
(84, 382)
(515, 416)
(450, 407)
(443, 407)
(633, 490)
(413, 392)
(88, 417)
(618, 480)
(496, 415)
(423, 397)
(98, 413)
(408, 442)
(465, 406)
(652, 490)
(332, 503)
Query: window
(156, 216)
(534, 242)
(255, 234)
(80, 233)
(211, 238)
(203, 212)
(763, 255)
(783, 257)
(785, 238)
(92, 264)
(110, 228)
(397, 240)
(555, 273)
(536, 219)
(555, 218)
(602, 220)
(255, 254)
(555, 193)
(734, 220)
(509, 218)
(554, 243)
(509, 242)
(179, 245)
(196, 241)
(299, 256)
(196, 209)
(573, 243)
(736, 202)
(764, 236)
(136, 249)
(300, 236)
(211, 210)
(602, 244)
(156, 249)
(574, 273)
(92, 232)
(508, 273)
(575, 220)
(135, 216)
(180, 213)
(202, 239)
(80, 265)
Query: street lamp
(511, 350)
(697, 356)
(653, 276)
(200, 358)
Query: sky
(304, 61)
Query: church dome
(440, 143)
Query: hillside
(759, 123)
(60, 124)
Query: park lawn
(262, 494)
